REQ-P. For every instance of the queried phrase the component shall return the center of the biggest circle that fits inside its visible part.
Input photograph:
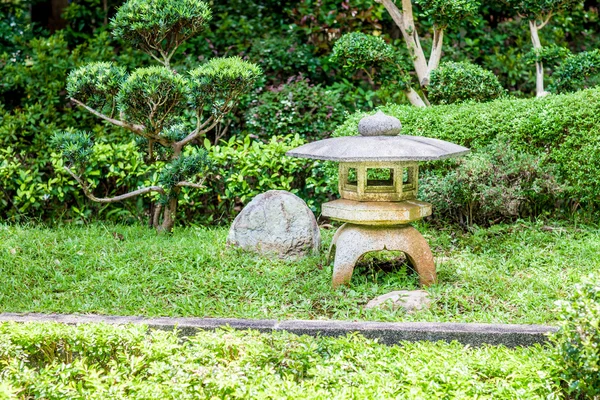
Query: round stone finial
(379, 124)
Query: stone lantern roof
(379, 148)
(379, 141)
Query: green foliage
(532, 9)
(357, 51)
(282, 57)
(549, 55)
(134, 362)
(456, 82)
(153, 97)
(495, 183)
(75, 147)
(97, 85)
(159, 27)
(297, 107)
(371, 54)
(246, 168)
(580, 71)
(577, 343)
(183, 169)
(564, 128)
(448, 12)
(220, 82)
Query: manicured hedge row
(100, 362)
(563, 129)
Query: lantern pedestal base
(352, 241)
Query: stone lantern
(378, 184)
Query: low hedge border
(388, 333)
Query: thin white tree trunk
(406, 22)
(539, 65)
(414, 98)
(436, 51)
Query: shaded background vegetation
(41, 41)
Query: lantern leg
(351, 242)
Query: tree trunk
(170, 213)
(414, 98)
(539, 65)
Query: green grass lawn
(105, 362)
(509, 274)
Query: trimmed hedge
(101, 362)
(564, 128)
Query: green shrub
(565, 129)
(456, 82)
(358, 51)
(244, 168)
(51, 361)
(282, 57)
(577, 351)
(495, 183)
(298, 107)
(580, 71)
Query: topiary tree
(440, 13)
(456, 82)
(580, 71)
(538, 13)
(165, 110)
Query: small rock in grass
(410, 300)
(276, 222)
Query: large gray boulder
(276, 222)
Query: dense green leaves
(495, 183)
(159, 27)
(456, 82)
(97, 85)
(76, 147)
(183, 169)
(358, 51)
(298, 107)
(153, 97)
(221, 81)
(577, 72)
(577, 353)
(100, 362)
(532, 9)
(449, 12)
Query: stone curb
(386, 332)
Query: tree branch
(406, 22)
(132, 127)
(543, 24)
(115, 199)
(414, 98)
(436, 51)
(196, 132)
(191, 184)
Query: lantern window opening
(352, 178)
(380, 177)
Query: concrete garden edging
(388, 333)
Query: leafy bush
(358, 51)
(495, 183)
(283, 57)
(577, 351)
(244, 168)
(580, 71)
(297, 107)
(564, 129)
(456, 82)
(133, 362)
